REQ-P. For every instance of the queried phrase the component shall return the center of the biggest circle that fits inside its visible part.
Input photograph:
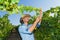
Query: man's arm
(40, 16)
(36, 21)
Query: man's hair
(25, 15)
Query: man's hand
(38, 19)
(40, 10)
(40, 13)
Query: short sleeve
(24, 29)
(38, 25)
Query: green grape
(16, 10)
(34, 8)
(4, 9)
(5, 26)
(1, 7)
(6, 3)
(1, 25)
(21, 12)
(27, 8)
(0, 0)
(14, 1)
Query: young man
(26, 30)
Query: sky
(44, 4)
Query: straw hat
(25, 15)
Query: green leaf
(14, 1)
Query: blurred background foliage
(5, 27)
(50, 25)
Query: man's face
(26, 19)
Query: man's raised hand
(40, 13)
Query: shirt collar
(25, 24)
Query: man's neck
(26, 23)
